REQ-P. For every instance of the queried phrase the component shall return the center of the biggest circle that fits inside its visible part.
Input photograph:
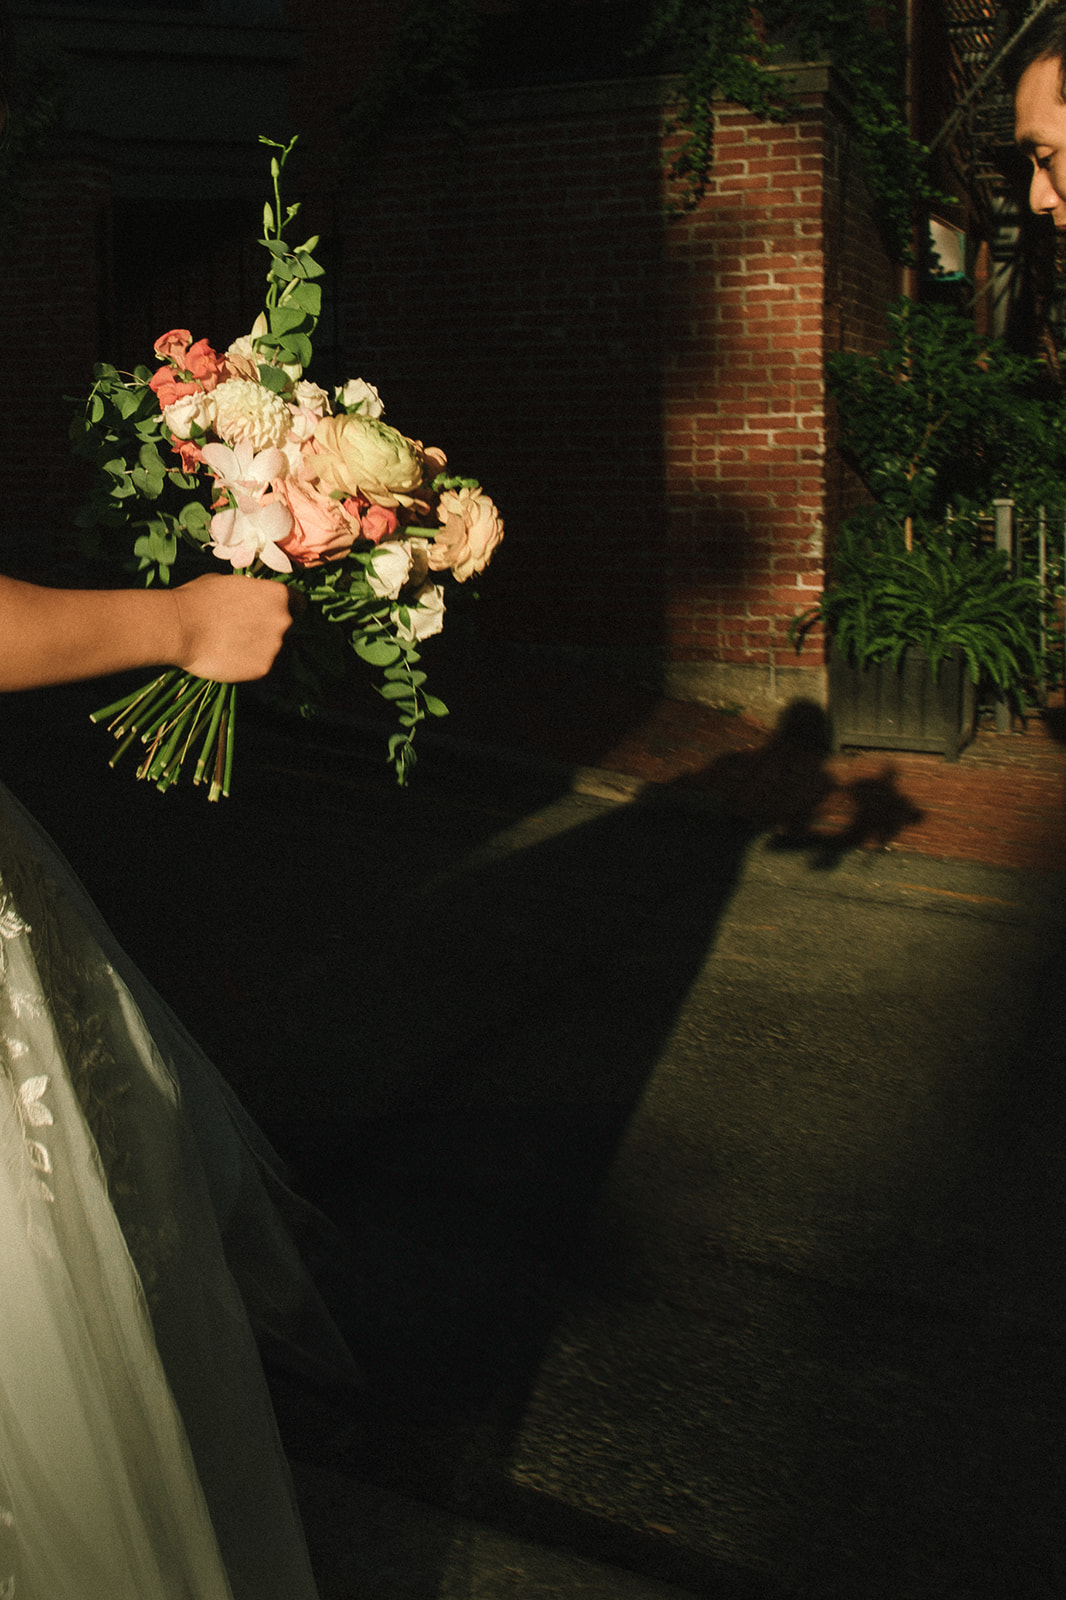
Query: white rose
(358, 395)
(424, 619)
(192, 410)
(309, 397)
(389, 568)
(245, 410)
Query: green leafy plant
(938, 423)
(943, 417)
(946, 596)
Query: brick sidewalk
(1003, 803)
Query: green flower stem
(230, 725)
(211, 741)
(123, 747)
(132, 699)
(174, 710)
(180, 732)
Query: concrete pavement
(702, 1198)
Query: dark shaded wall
(642, 392)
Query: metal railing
(1035, 545)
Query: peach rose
(322, 530)
(471, 529)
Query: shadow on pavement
(783, 786)
(445, 1006)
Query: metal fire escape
(975, 142)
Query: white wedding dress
(140, 1242)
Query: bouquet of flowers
(242, 459)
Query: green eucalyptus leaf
(378, 652)
(273, 378)
(297, 347)
(307, 296)
(284, 319)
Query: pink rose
(321, 528)
(375, 522)
(471, 529)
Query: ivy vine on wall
(723, 49)
(717, 49)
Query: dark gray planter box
(881, 708)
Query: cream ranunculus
(472, 528)
(246, 411)
(353, 455)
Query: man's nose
(1043, 196)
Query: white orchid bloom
(252, 529)
(239, 469)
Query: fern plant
(945, 595)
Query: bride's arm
(219, 626)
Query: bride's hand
(230, 627)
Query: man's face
(1040, 130)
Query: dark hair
(1044, 41)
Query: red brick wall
(645, 396)
(745, 398)
(860, 284)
